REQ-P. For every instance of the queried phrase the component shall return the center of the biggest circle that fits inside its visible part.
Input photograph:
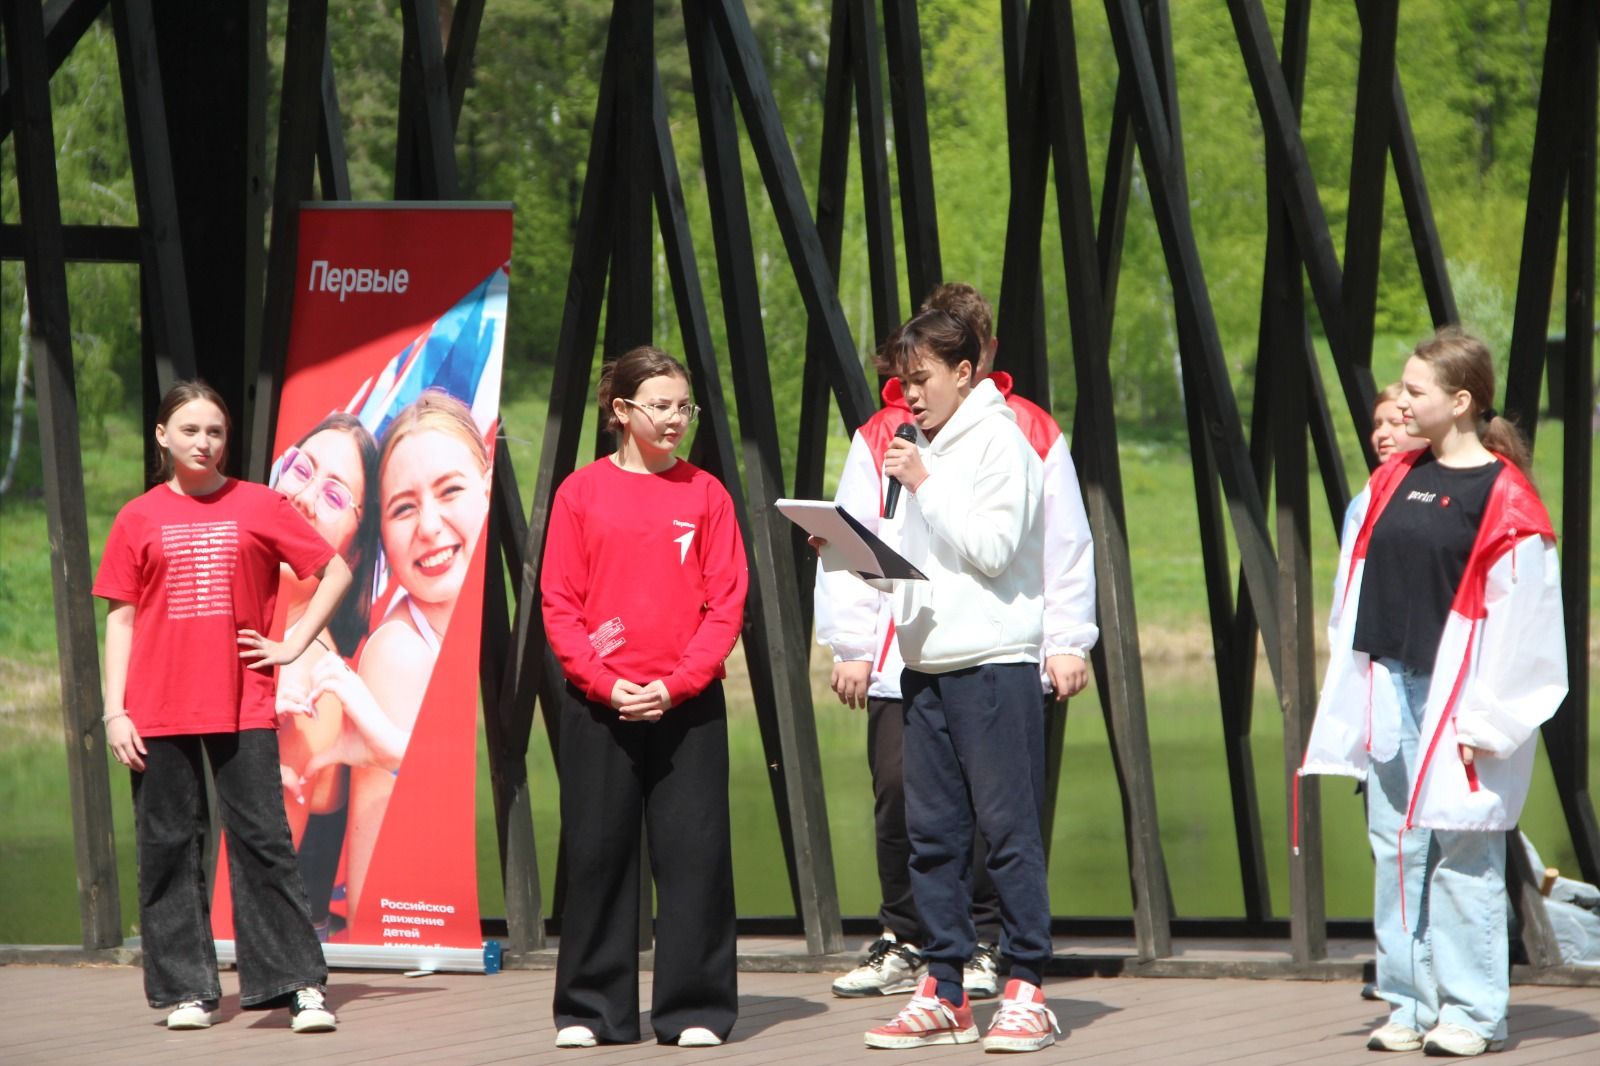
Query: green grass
(1088, 863)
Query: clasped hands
(640, 703)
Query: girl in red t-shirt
(643, 589)
(191, 573)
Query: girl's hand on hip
(264, 652)
(122, 737)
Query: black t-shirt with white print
(1415, 559)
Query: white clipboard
(851, 545)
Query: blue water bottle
(491, 956)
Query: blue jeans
(974, 755)
(278, 951)
(1448, 962)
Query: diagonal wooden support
(1541, 233)
(65, 23)
(529, 670)
(715, 38)
(1193, 305)
(166, 287)
(304, 48)
(919, 218)
(50, 344)
(748, 80)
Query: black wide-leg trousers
(674, 774)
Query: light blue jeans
(1446, 961)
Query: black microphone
(907, 431)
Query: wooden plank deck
(96, 1014)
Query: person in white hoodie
(853, 620)
(1447, 653)
(970, 636)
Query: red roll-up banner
(384, 441)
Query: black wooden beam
(1369, 169)
(165, 283)
(1118, 656)
(1275, 104)
(50, 345)
(749, 81)
(816, 402)
(425, 161)
(716, 451)
(876, 194)
(1541, 232)
(459, 51)
(333, 164)
(919, 218)
(722, 53)
(529, 670)
(1567, 734)
(82, 244)
(305, 45)
(65, 23)
(1425, 241)
(1193, 303)
(629, 296)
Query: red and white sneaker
(1023, 1022)
(927, 1019)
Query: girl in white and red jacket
(643, 589)
(1448, 653)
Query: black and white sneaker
(889, 968)
(309, 1014)
(981, 975)
(193, 1014)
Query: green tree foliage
(1470, 68)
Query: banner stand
(379, 957)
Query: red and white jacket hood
(1500, 671)
(853, 619)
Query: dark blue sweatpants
(974, 751)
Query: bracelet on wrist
(105, 719)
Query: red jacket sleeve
(726, 575)
(562, 580)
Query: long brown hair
(183, 392)
(621, 377)
(353, 615)
(1462, 363)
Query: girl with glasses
(331, 477)
(643, 587)
(191, 572)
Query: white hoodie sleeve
(987, 521)
(846, 607)
(1354, 516)
(1069, 602)
(1520, 674)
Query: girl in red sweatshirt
(643, 589)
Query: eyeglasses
(299, 470)
(662, 411)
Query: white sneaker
(698, 1036)
(981, 976)
(193, 1014)
(576, 1036)
(1457, 1040)
(889, 968)
(309, 1014)
(1023, 1022)
(1393, 1036)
